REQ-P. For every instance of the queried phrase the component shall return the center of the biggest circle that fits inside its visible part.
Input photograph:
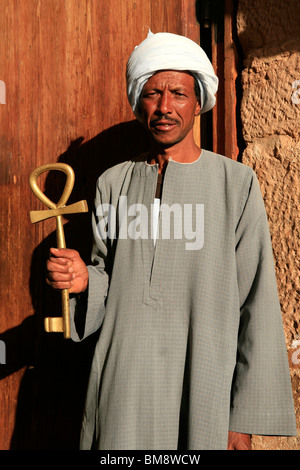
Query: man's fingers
(64, 261)
(60, 285)
(63, 253)
(60, 276)
(59, 264)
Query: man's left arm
(261, 395)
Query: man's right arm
(67, 270)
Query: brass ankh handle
(57, 324)
(67, 189)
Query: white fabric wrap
(167, 51)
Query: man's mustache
(164, 118)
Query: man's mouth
(163, 125)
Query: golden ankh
(57, 324)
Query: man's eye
(151, 93)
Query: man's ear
(198, 108)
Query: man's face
(169, 106)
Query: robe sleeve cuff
(266, 424)
(87, 310)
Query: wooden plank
(230, 76)
(191, 29)
(225, 63)
(218, 116)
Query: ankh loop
(57, 324)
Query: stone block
(270, 103)
(267, 22)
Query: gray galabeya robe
(191, 342)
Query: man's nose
(165, 103)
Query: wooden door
(220, 128)
(62, 72)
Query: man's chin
(164, 140)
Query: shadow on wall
(53, 388)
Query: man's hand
(238, 441)
(66, 270)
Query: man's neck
(178, 153)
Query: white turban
(167, 51)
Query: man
(191, 352)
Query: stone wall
(269, 35)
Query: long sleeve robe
(191, 342)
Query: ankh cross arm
(57, 324)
